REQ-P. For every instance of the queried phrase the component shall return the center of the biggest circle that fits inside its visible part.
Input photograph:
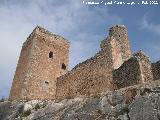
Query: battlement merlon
(42, 32)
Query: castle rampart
(87, 77)
(156, 70)
(95, 74)
(136, 70)
(42, 69)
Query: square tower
(44, 57)
(117, 45)
(120, 33)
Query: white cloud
(152, 40)
(69, 18)
(155, 28)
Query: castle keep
(42, 69)
(43, 58)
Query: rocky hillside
(140, 102)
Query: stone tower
(117, 46)
(43, 58)
(120, 33)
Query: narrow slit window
(51, 54)
(63, 66)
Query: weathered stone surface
(156, 70)
(136, 70)
(145, 66)
(43, 58)
(142, 109)
(86, 77)
(128, 74)
(139, 102)
(42, 74)
(120, 33)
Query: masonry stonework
(89, 77)
(44, 57)
(145, 66)
(21, 70)
(156, 70)
(42, 67)
(95, 74)
(136, 70)
(128, 74)
(120, 33)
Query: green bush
(26, 113)
(20, 109)
(2, 99)
(37, 106)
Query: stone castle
(42, 70)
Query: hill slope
(140, 102)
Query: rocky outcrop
(139, 102)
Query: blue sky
(83, 25)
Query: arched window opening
(63, 66)
(51, 54)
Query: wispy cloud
(69, 18)
(152, 39)
(155, 28)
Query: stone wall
(128, 74)
(156, 70)
(42, 68)
(47, 60)
(89, 77)
(95, 74)
(136, 70)
(145, 65)
(22, 66)
(92, 76)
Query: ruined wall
(48, 59)
(145, 65)
(94, 75)
(87, 79)
(156, 70)
(128, 74)
(91, 77)
(134, 71)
